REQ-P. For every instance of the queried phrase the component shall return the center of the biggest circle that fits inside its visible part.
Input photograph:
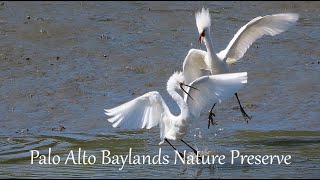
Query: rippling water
(62, 63)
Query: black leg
(195, 151)
(244, 114)
(173, 147)
(210, 118)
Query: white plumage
(149, 110)
(217, 63)
(223, 87)
(203, 19)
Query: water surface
(62, 63)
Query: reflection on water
(62, 63)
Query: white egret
(150, 109)
(198, 60)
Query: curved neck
(213, 61)
(181, 103)
(209, 44)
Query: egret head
(176, 82)
(203, 23)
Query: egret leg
(174, 147)
(244, 114)
(210, 118)
(194, 151)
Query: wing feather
(267, 25)
(212, 89)
(193, 63)
(142, 112)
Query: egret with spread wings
(198, 61)
(150, 110)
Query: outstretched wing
(192, 65)
(211, 89)
(255, 29)
(142, 112)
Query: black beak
(182, 84)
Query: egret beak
(201, 39)
(182, 84)
(190, 86)
(202, 36)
